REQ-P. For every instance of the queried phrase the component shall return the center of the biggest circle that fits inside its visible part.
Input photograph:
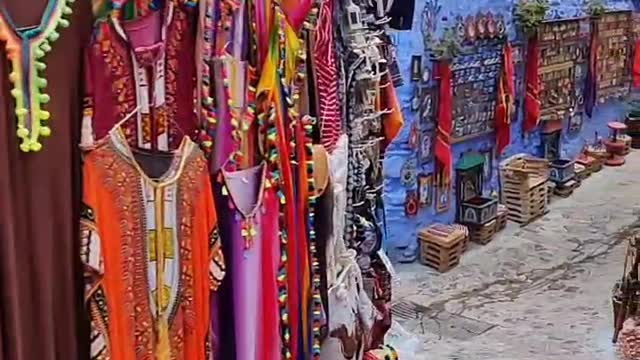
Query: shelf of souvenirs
(565, 31)
(615, 18)
(613, 80)
(613, 92)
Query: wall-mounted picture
(426, 149)
(408, 173)
(427, 104)
(411, 204)
(425, 189)
(416, 100)
(414, 136)
(416, 68)
(443, 194)
(488, 164)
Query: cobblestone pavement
(541, 292)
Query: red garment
(442, 145)
(636, 65)
(327, 78)
(504, 101)
(531, 101)
(149, 65)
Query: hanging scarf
(393, 121)
(327, 78)
(296, 12)
(636, 65)
(592, 71)
(532, 101)
(442, 145)
(504, 106)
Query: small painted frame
(408, 173)
(487, 171)
(427, 108)
(443, 194)
(425, 149)
(411, 204)
(416, 68)
(425, 189)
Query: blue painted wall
(401, 230)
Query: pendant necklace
(25, 49)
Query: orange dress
(150, 250)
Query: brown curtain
(40, 278)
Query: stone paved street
(541, 292)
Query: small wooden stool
(441, 246)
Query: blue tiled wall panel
(401, 230)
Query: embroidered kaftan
(146, 64)
(249, 327)
(150, 251)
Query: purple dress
(247, 303)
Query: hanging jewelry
(25, 51)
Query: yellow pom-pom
(22, 132)
(45, 131)
(35, 146)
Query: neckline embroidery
(26, 49)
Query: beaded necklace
(25, 50)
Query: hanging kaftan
(39, 199)
(142, 69)
(249, 327)
(150, 250)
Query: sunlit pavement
(541, 292)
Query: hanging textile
(591, 82)
(401, 14)
(636, 64)
(39, 284)
(532, 100)
(393, 120)
(327, 78)
(25, 50)
(150, 250)
(442, 147)
(144, 68)
(504, 106)
(248, 301)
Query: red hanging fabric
(636, 65)
(504, 106)
(531, 101)
(442, 145)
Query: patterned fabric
(248, 325)
(150, 251)
(327, 78)
(132, 73)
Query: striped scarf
(327, 78)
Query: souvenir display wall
(563, 67)
(506, 117)
(614, 39)
(230, 155)
(475, 75)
